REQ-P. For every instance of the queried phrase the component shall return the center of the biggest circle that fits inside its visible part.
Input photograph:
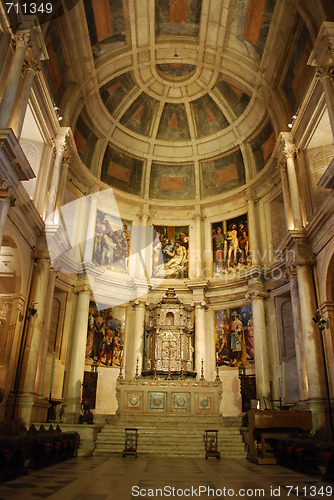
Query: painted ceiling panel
(176, 70)
(139, 116)
(122, 172)
(222, 175)
(113, 92)
(236, 98)
(208, 117)
(174, 123)
(172, 182)
(105, 20)
(298, 73)
(177, 17)
(263, 146)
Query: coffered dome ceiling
(178, 99)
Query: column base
(29, 408)
(320, 416)
(72, 411)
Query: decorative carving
(21, 39)
(31, 64)
(4, 306)
(157, 400)
(256, 294)
(181, 401)
(169, 337)
(67, 160)
(325, 71)
(290, 151)
(281, 165)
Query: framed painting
(105, 335)
(230, 245)
(170, 252)
(234, 336)
(112, 242)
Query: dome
(173, 100)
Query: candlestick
(202, 379)
(137, 369)
(217, 372)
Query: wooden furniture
(211, 444)
(267, 426)
(131, 440)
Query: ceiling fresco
(169, 89)
(177, 18)
(222, 175)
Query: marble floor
(102, 478)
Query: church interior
(166, 225)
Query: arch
(170, 319)
(22, 254)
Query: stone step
(171, 435)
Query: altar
(168, 397)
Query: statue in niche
(169, 337)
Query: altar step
(171, 436)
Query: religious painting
(105, 335)
(234, 336)
(170, 252)
(112, 242)
(230, 246)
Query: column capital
(83, 288)
(145, 214)
(281, 166)
(21, 38)
(41, 254)
(200, 305)
(325, 71)
(291, 271)
(67, 159)
(290, 151)
(251, 195)
(256, 294)
(137, 303)
(32, 64)
(198, 215)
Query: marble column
(298, 333)
(29, 70)
(196, 259)
(286, 196)
(21, 41)
(60, 146)
(252, 230)
(142, 248)
(311, 336)
(4, 207)
(326, 75)
(261, 354)
(40, 372)
(327, 311)
(290, 152)
(76, 355)
(322, 57)
(200, 351)
(135, 348)
(62, 184)
(39, 297)
(91, 204)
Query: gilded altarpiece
(169, 337)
